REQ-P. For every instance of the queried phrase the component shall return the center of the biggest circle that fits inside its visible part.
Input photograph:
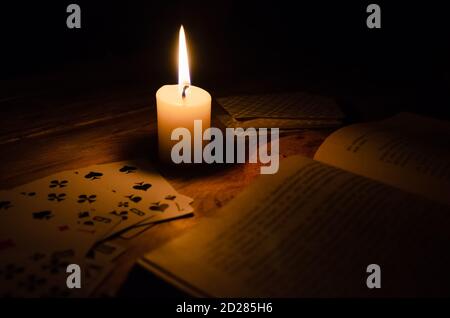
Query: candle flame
(183, 63)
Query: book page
(310, 230)
(407, 151)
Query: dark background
(241, 46)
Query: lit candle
(179, 105)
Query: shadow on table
(144, 148)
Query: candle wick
(183, 93)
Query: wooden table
(53, 129)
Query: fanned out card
(141, 193)
(74, 210)
(95, 201)
(285, 111)
(30, 222)
(44, 273)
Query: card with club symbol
(44, 273)
(28, 224)
(86, 205)
(145, 196)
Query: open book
(375, 193)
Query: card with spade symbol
(29, 223)
(86, 205)
(145, 196)
(57, 209)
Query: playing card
(28, 224)
(105, 252)
(44, 274)
(51, 211)
(142, 194)
(60, 219)
(136, 230)
(82, 204)
(36, 274)
(95, 202)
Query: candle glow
(184, 78)
(179, 105)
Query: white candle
(179, 105)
